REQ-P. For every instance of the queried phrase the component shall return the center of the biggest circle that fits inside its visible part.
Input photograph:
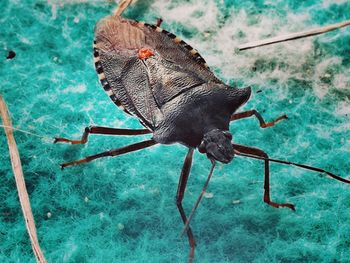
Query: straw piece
(293, 36)
(122, 5)
(21, 187)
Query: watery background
(122, 209)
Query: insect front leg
(114, 152)
(263, 124)
(180, 195)
(259, 153)
(102, 130)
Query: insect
(155, 76)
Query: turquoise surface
(122, 209)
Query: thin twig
(293, 36)
(122, 5)
(20, 183)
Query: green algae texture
(122, 209)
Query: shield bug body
(158, 78)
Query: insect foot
(64, 140)
(270, 124)
(276, 205)
(56, 140)
(71, 163)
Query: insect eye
(201, 148)
(228, 135)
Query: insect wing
(142, 84)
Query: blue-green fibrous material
(122, 209)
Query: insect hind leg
(103, 131)
(263, 124)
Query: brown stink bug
(155, 76)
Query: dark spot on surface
(115, 100)
(185, 45)
(200, 59)
(106, 87)
(105, 84)
(11, 54)
(96, 54)
(98, 67)
(258, 91)
(39, 6)
(8, 214)
(165, 32)
(241, 34)
(171, 35)
(151, 26)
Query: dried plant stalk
(122, 5)
(293, 36)
(20, 183)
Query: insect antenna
(304, 166)
(307, 167)
(199, 198)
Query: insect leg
(180, 195)
(259, 153)
(102, 130)
(159, 22)
(114, 152)
(262, 122)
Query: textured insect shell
(121, 73)
(204, 108)
(173, 93)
